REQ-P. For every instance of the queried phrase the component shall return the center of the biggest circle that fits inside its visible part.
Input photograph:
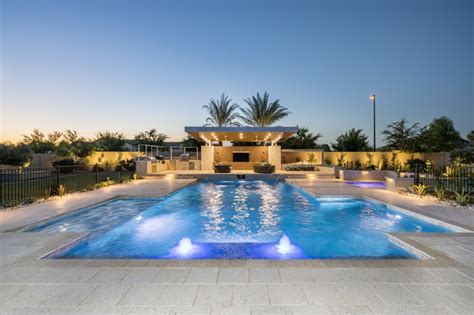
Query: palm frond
(261, 112)
(221, 112)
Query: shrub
(65, 162)
(311, 158)
(410, 164)
(48, 193)
(420, 189)
(383, 164)
(451, 171)
(440, 193)
(17, 155)
(463, 197)
(126, 165)
(61, 190)
(357, 165)
(66, 166)
(105, 183)
(463, 156)
(341, 159)
(396, 165)
(369, 164)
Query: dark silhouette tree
(351, 141)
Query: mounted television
(241, 157)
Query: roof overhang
(241, 134)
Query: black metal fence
(451, 178)
(26, 185)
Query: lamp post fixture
(373, 97)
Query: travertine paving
(29, 285)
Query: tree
(151, 137)
(41, 143)
(110, 141)
(441, 136)
(190, 142)
(73, 146)
(470, 136)
(82, 148)
(17, 155)
(260, 112)
(71, 136)
(302, 140)
(221, 112)
(325, 147)
(400, 135)
(351, 141)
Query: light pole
(373, 97)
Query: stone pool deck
(30, 285)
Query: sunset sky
(130, 66)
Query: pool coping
(432, 257)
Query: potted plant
(222, 168)
(265, 168)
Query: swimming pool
(238, 220)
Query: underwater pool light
(185, 247)
(284, 245)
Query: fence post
(416, 174)
(58, 176)
(120, 176)
(96, 173)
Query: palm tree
(261, 112)
(222, 112)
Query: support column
(274, 156)
(207, 157)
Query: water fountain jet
(284, 245)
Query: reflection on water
(239, 211)
(212, 209)
(269, 218)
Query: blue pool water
(238, 219)
(380, 185)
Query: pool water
(379, 185)
(239, 220)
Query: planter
(264, 169)
(398, 184)
(222, 168)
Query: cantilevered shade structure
(241, 134)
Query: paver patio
(28, 284)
